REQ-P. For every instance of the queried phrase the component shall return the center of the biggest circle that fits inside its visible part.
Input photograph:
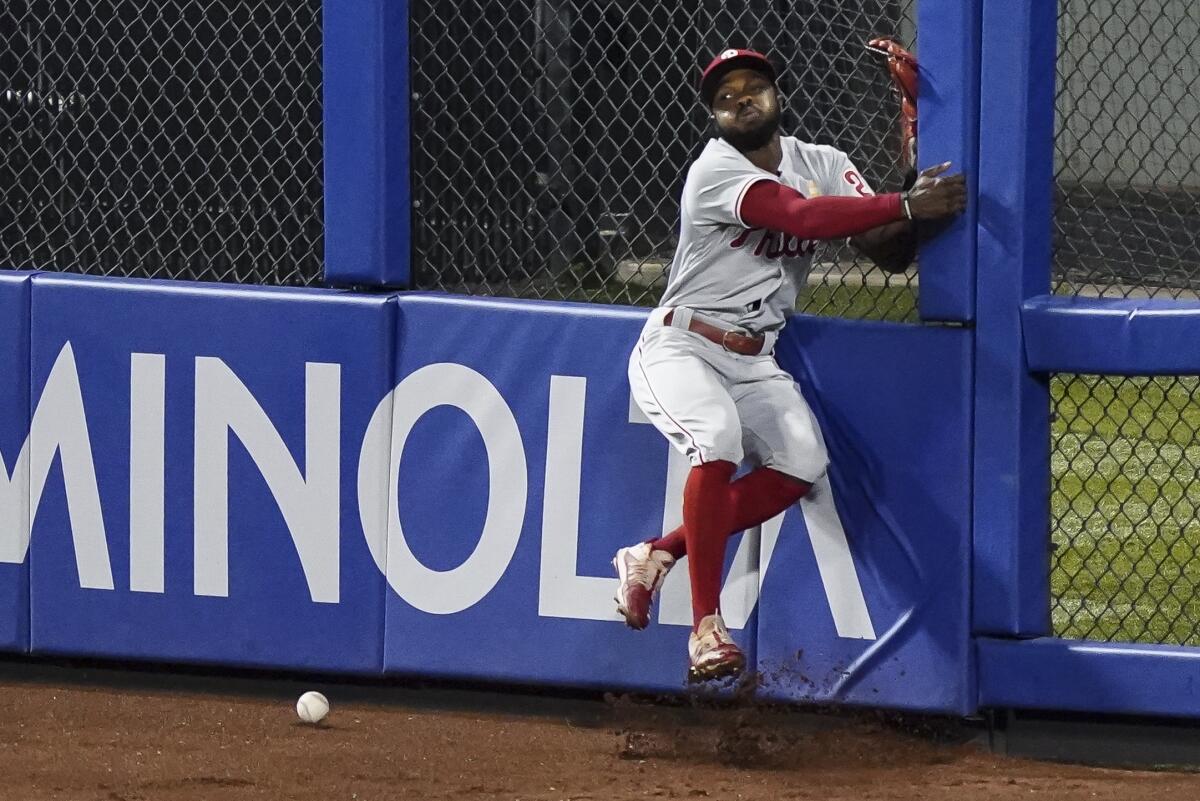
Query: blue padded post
(948, 106)
(1012, 407)
(367, 197)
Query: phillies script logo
(774, 244)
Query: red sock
(757, 497)
(707, 521)
(762, 494)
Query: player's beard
(753, 138)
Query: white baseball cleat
(713, 653)
(641, 571)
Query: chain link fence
(162, 138)
(551, 137)
(1127, 146)
(1125, 491)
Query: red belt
(742, 344)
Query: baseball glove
(902, 66)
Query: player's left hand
(936, 195)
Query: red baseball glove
(902, 66)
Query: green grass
(1125, 495)
(894, 303)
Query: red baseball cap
(725, 62)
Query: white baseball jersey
(748, 276)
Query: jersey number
(856, 181)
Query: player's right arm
(770, 204)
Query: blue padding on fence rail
(202, 505)
(365, 95)
(1012, 406)
(1112, 336)
(1082, 676)
(14, 460)
(948, 103)
(890, 618)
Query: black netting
(1127, 146)
(550, 137)
(162, 138)
(1125, 499)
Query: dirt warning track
(83, 734)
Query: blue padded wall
(521, 606)
(485, 473)
(14, 472)
(538, 608)
(894, 406)
(157, 583)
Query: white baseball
(312, 707)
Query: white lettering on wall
(851, 617)
(59, 426)
(147, 458)
(448, 591)
(561, 591)
(309, 502)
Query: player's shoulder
(717, 164)
(716, 155)
(816, 160)
(812, 151)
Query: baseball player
(754, 204)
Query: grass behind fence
(833, 297)
(1124, 500)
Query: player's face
(746, 109)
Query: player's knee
(788, 487)
(799, 470)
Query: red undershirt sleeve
(771, 205)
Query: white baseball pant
(716, 405)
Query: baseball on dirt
(312, 707)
